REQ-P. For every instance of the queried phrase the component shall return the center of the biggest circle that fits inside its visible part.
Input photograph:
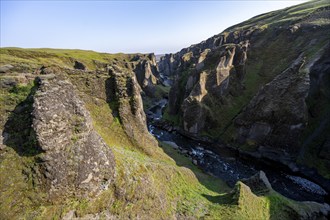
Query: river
(227, 167)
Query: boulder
(313, 210)
(8, 82)
(258, 183)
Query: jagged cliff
(74, 157)
(255, 84)
(75, 143)
(59, 126)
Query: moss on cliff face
(264, 47)
(162, 186)
(152, 181)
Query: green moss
(175, 119)
(34, 58)
(108, 126)
(19, 193)
(314, 138)
(161, 91)
(146, 187)
(275, 18)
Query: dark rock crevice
(18, 133)
(79, 66)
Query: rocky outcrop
(130, 109)
(255, 93)
(249, 191)
(258, 183)
(200, 63)
(319, 94)
(216, 82)
(224, 66)
(79, 65)
(194, 113)
(75, 159)
(146, 72)
(174, 64)
(277, 115)
(167, 64)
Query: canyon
(234, 127)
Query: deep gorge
(234, 127)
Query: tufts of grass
(34, 58)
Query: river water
(230, 169)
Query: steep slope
(255, 84)
(75, 145)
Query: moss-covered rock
(254, 62)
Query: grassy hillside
(34, 58)
(163, 186)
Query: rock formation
(194, 113)
(79, 66)
(6, 68)
(258, 183)
(75, 159)
(264, 84)
(277, 115)
(146, 72)
(260, 89)
(130, 109)
(251, 189)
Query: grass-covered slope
(161, 185)
(28, 59)
(292, 14)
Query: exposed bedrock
(146, 71)
(277, 115)
(75, 159)
(130, 109)
(216, 82)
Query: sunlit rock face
(75, 158)
(127, 93)
(146, 71)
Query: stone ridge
(146, 71)
(75, 159)
(130, 109)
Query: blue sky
(122, 26)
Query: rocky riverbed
(227, 166)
